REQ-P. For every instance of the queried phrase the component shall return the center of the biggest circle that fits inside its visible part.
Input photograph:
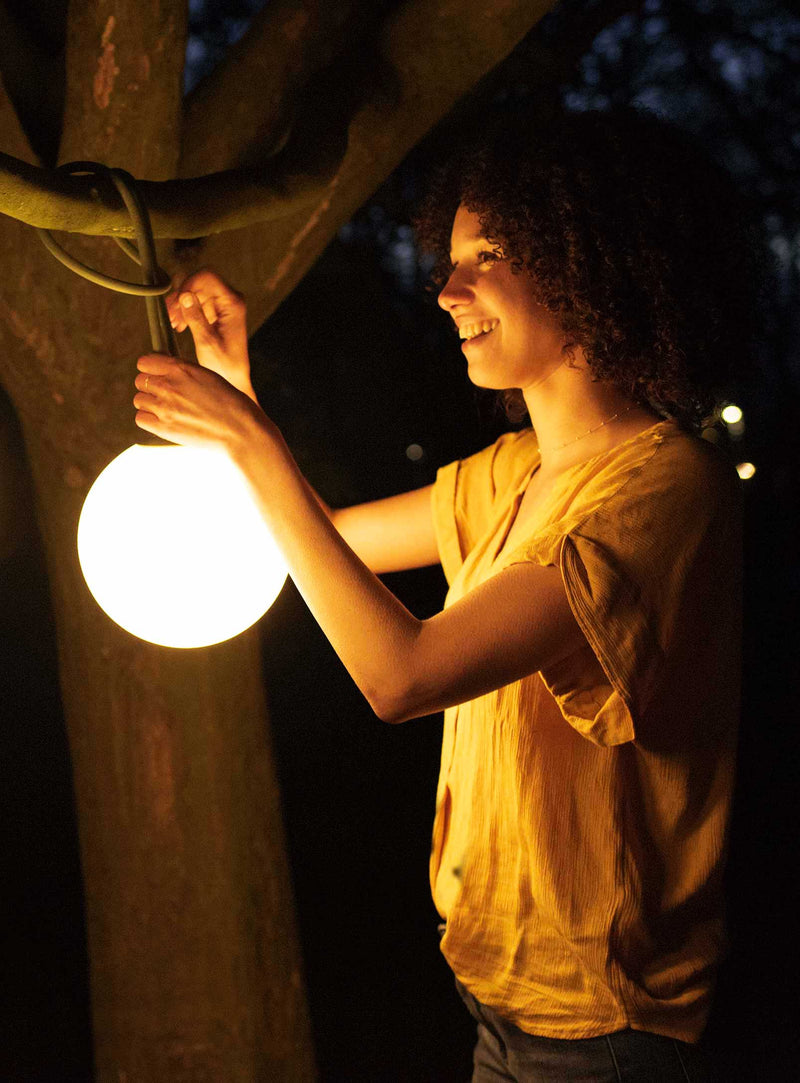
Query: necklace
(588, 432)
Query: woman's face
(524, 342)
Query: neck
(576, 417)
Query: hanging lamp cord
(155, 282)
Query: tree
(195, 969)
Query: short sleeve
(653, 578)
(466, 494)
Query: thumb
(196, 321)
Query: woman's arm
(513, 625)
(393, 534)
(390, 535)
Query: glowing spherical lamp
(170, 541)
(173, 548)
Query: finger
(195, 318)
(172, 301)
(177, 316)
(146, 420)
(209, 284)
(174, 311)
(220, 301)
(144, 401)
(208, 307)
(156, 364)
(148, 383)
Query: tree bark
(195, 970)
(425, 57)
(194, 963)
(287, 42)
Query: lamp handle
(155, 282)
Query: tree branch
(124, 63)
(286, 42)
(34, 80)
(433, 53)
(193, 207)
(13, 132)
(428, 55)
(543, 67)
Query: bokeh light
(731, 414)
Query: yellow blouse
(581, 812)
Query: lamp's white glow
(745, 471)
(731, 414)
(173, 548)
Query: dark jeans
(504, 1052)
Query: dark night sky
(379, 371)
(374, 373)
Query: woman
(587, 655)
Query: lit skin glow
(529, 350)
(528, 343)
(404, 666)
(223, 342)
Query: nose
(457, 290)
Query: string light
(731, 414)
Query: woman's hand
(216, 315)
(189, 405)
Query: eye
(488, 256)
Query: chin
(487, 380)
(486, 383)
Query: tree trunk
(193, 954)
(194, 963)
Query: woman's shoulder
(691, 464)
(501, 464)
(516, 445)
(665, 455)
(664, 477)
(514, 454)
(671, 483)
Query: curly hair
(633, 237)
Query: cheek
(542, 328)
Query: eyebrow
(470, 240)
(476, 237)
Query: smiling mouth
(476, 333)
